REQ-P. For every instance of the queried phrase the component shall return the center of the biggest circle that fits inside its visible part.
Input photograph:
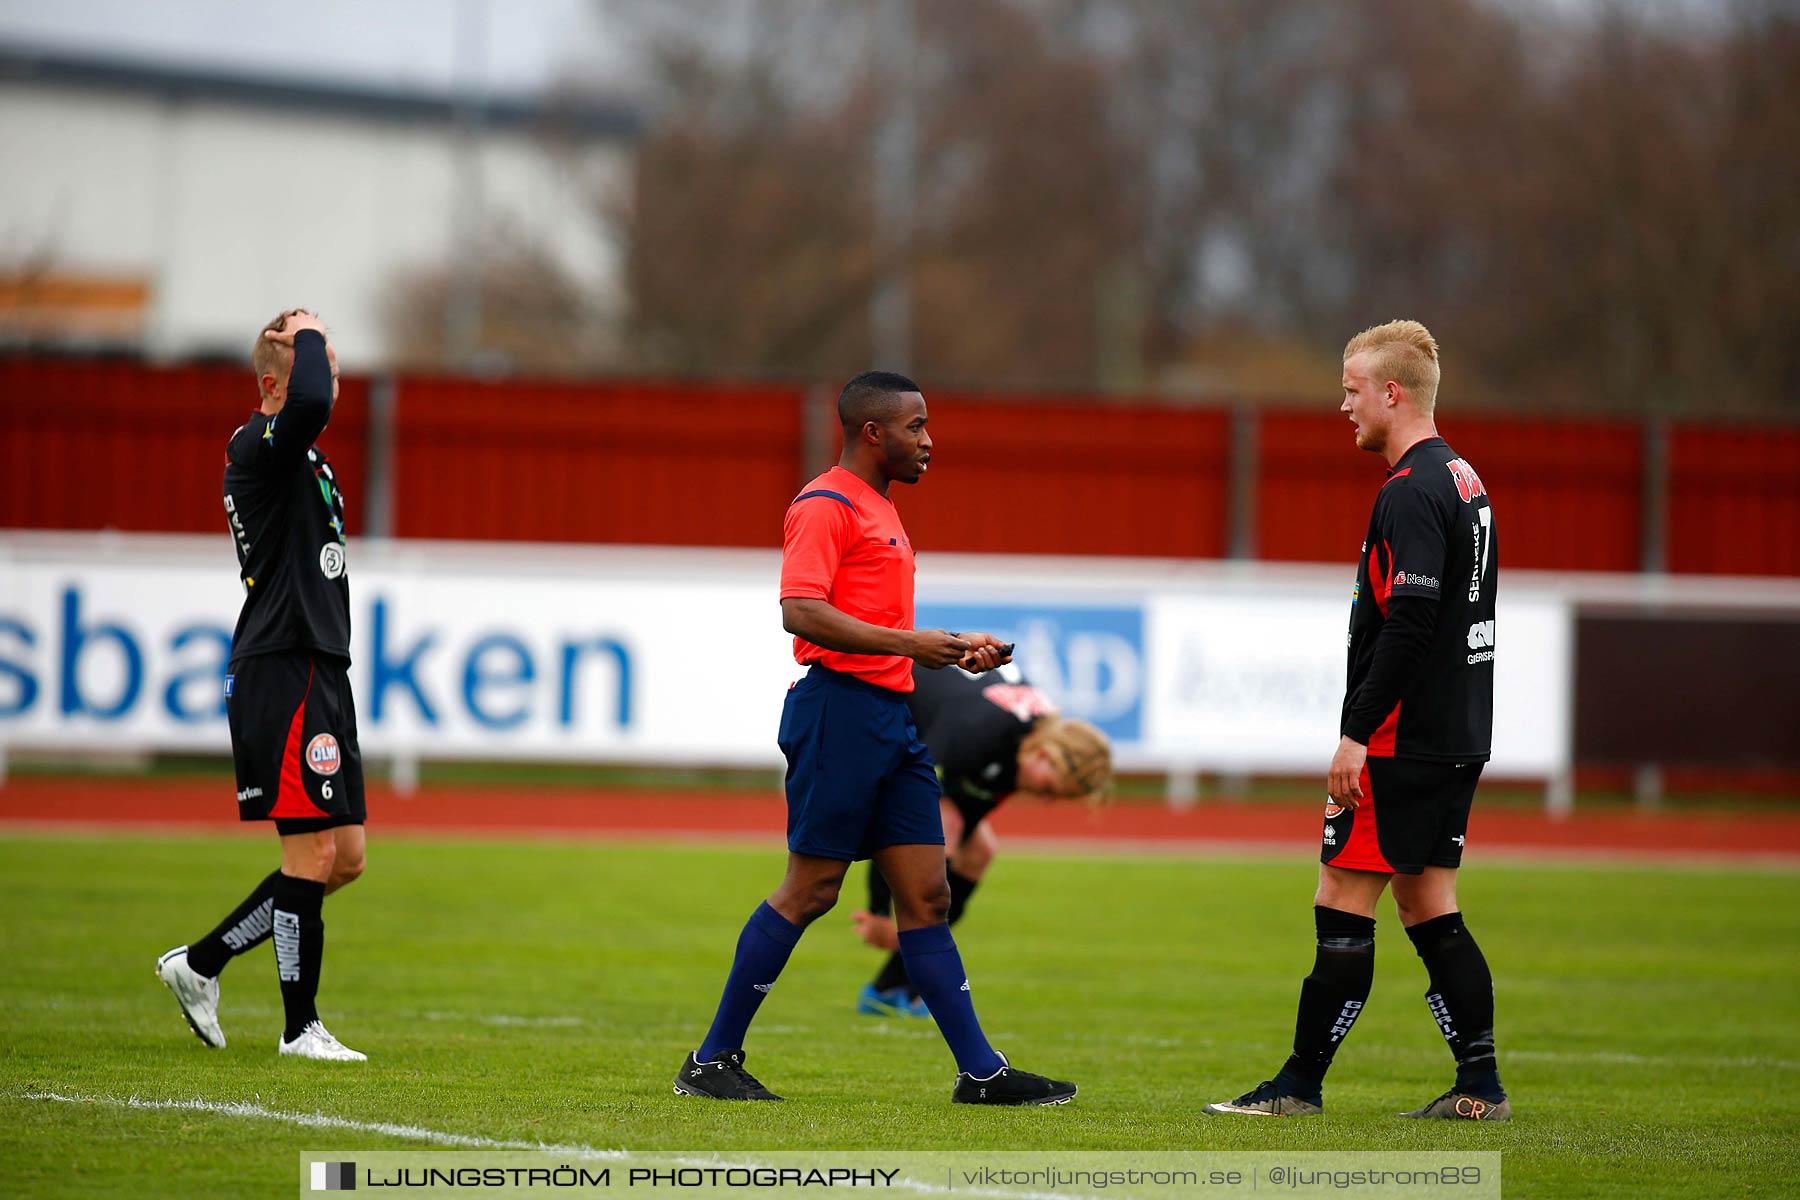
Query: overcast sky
(413, 43)
(403, 43)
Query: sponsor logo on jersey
(230, 682)
(763, 987)
(322, 754)
(1481, 641)
(1468, 483)
(331, 560)
(250, 793)
(1331, 835)
(1406, 579)
(237, 527)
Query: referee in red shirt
(860, 783)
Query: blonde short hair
(272, 358)
(1405, 352)
(1080, 751)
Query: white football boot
(315, 1041)
(197, 995)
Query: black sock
(881, 903)
(881, 897)
(247, 926)
(1331, 997)
(893, 975)
(1461, 999)
(299, 933)
(961, 888)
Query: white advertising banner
(1256, 682)
(113, 642)
(459, 659)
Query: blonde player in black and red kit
(860, 783)
(1416, 729)
(287, 696)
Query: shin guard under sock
(299, 932)
(762, 951)
(1331, 997)
(936, 969)
(1461, 998)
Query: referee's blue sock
(762, 950)
(937, 971)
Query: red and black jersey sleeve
(285, 511)
(1412, 529)
(1419, 678)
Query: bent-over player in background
(992, 736)
(1416, 729)
(287, 693)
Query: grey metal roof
(587, 116)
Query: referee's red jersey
(842, 542)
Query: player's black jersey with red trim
(973, 725)
(1431, 537)
(286, 516)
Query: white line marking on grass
(416, 1133)
(1653, 1060)
(318, 1120)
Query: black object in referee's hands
(1005, 652)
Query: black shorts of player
(293, 739)
(1414, 814)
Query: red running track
(194, 805)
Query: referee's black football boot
(724, 1078)
(1455, 1105)
(1009, 1085)
(1269, 1100)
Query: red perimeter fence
(87, 445)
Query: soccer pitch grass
(544, 992)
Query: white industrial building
(171, 211)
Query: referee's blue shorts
(858, 777)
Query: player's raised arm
(297, 375)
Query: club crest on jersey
(322, 755)
(331, 560)
(1333, 809)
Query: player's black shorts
(293, 738)
(1414, 814)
